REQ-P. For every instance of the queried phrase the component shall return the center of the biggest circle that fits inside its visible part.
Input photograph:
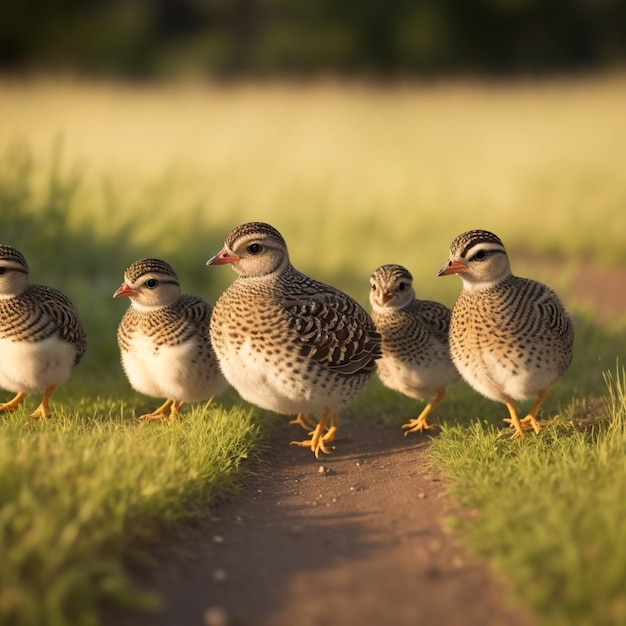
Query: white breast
(421, 382)
(164, 371)
(31, 367)
(495, 381)
(269, 387)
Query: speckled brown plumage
(416, 357)
(41, 336)
(510, 337)
(285, 341)
(164, 339)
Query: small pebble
(219, 575)
(216, 616)
(218, 539)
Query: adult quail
(510, 338)
(286, 342)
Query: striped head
(149, 283)
(480, 259)
(254, 249)
(391, 288)
(14, 278)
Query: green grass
(353, 176)
(84, 492)
(550, 509)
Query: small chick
(41, 336)
(416, 358)
(164, 339)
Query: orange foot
(168, 410)
(319, 438)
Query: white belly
(168, 371)
(267, 387)
(422, 382)
(31, 367)
(497, 382)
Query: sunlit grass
(550, 509)
(349, 174)
(82, 492)
(94, 176)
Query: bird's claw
(316, 447)
(416, 425)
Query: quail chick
(164, 339)
(286, 342)
(510, 338)
(416, 357)
(41, 336)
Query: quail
(510, 337)
(41, 336)
(286, 342)
(164, 339)
(416, 357)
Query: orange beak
(222, 258)
(452, 267)
(124, 291)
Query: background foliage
(157, 38)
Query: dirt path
(357, 538)
(364, 542)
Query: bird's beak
(124, 291)
(452, 267)
(387, 295)
(222, 258)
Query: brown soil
(357, 538)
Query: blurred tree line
(160, 38)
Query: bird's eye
(373, 286)
(3, 270)
(152, 283)
(255, 248)
(401, 286)
(481, 255)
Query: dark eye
(152, 283)
(3, 270)
(255, 248)
(481, 255)
(401, 286)
(373, 287)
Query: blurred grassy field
(94, 176)
(353, 175)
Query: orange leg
(175, 408)
(417, 424)
(330, 435)
(318, 437)
(42, 411)
(514, 421)
(12, 404)
(161, 413)
(530, 422)
(532, 414)
(305, 421)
